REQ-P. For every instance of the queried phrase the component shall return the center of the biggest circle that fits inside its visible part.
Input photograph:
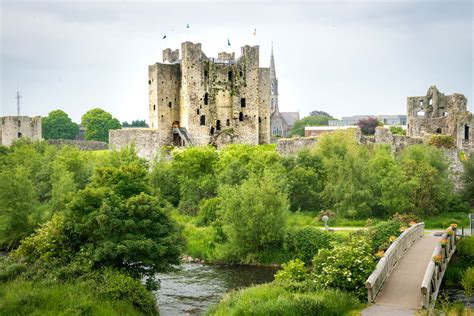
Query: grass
(271, 299)
(22, 297)
(442, 221)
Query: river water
(194, 287)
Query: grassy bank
(21, 297)
(271, 299)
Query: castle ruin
(16, 127)
(436, 113)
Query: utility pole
(18, 97)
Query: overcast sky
(343, 57)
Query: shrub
(270, 299)
(117, 286)
(368, 125)
(442, 141)
(305, 242)
(345, 267)
(465, 249)
(467, 281)
(380, 234)
(292, 271)
(468, 179)
(397, 130)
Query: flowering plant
(392, 238)
(412, 223)
(453, 225)
(402, 229)
(437, 259)
(443, 242)
(449, 231)
(380, 253)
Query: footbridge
(408, 277)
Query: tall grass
(21, 297)
(442, 221)
(271, 299)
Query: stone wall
(15, 127)
(290, 146)
(146, 140)
(80, 144)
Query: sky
(343, 57)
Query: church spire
(272, 65)
(274, 85)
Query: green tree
(468, 179)
(346, 189)
(135, 123)
(255, 214)
(97, 123)
(58, 125)
(17, 205)
(299, 125)
(388, 183)
(426, 171)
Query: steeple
(274, 83)
(272, 65)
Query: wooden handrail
(385, 265)
(434, 272)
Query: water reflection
(194, 287)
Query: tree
(135, 123)
(97, 123)
(368, 125)
(255, 214)
(319, 113)
(58, 125)
(468, 178)
(299, 125)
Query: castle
(436, 113)
(199, 100)
(15, 127)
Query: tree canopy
(58, 125)
(368, 125)
(135, 123)
(97, 123)
(299, 125)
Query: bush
(305, 242)
(292, 271)
(468, 179)
(465, 249)
(379, 234)
(116, 286)
(442, 141)
(368, 125)
(270, 299)
(397, 130)
(345, 267)
(208, 211)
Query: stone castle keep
(199, 100)
(16, 127)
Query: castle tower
(274, 85)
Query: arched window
(218, 125)
(203, 120)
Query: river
(194, 287)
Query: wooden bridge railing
(437, 266)
(392, 255)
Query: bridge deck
(402, 288)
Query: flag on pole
(255, 32)
(164, 36)
(228, 42)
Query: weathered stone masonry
(15, 127)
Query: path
(401, 292)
